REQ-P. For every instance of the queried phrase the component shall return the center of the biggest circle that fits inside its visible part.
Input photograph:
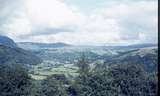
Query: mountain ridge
(147, 57)
(34, 45)
(10, 53)
(133, 46)
(6, 41)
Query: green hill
(148, 57)
(10, 55)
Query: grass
(41, 71)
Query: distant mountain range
(31, 45)
(10, 52)
(134, 46)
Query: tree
(118, 80)
(83, 65)
(83, 70)
(14, 80)
(54, 86)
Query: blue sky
(87, 22)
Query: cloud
(111, 22)
(45, 32)
(83, 38)
(37, 17)
(77, 38)
(13, 21)
(51, 13)
(6, 13)
(134, 19)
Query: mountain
(5, 41)
(134, 46)
(10, 55)
(148, 57)
(31, 45)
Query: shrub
(54, 86)
(14, 80)
(118, 80)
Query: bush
(132, 80)
(119, 80)
(14, 81)
(51, 86)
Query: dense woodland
(118, 80)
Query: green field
(41, 71)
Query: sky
(80, 22)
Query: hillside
(145, 56)
(17, 56)
(134, 46)
(5, 41)
(11, 54)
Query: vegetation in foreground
(117, 80)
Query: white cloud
(132, 22)
(97, 23)
(79, 38)
(134, 18)
(52, 13)
(35, 15)
(18, 27)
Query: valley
(63, 60)
(40, 68)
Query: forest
(118, 80)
